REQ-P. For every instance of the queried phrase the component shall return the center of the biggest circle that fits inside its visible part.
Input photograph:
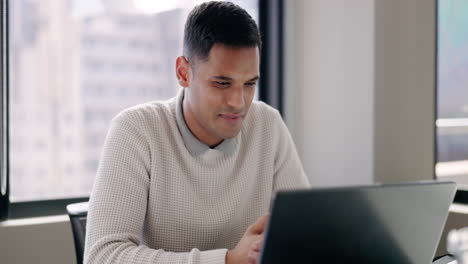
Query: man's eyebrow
(224, 78)
(254, 78)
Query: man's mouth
(231, 118)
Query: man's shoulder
(261, 111)
(149, 112)
(262, 117)
(263, 126)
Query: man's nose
(235, 98)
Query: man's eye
(251, 84)
(222, 84)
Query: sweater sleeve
(118, 203)
(289, 173)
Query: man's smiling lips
(231, 118)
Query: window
(74, 64)
(452, 92)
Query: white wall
(405, 90)
(360, 89)
(330, 88)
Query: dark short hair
(218, 22)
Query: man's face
(219, 91)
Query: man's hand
(248, 248)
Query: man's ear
(182, 71)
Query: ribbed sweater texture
(162, 196)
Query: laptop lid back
(398, 224)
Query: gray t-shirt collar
(195, 146)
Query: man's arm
(118, 205)
(289, 173)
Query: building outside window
(75, 64)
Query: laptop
(394, 224)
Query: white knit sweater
(161, 196)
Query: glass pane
(452, 92)
(74, 64)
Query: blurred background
(372, 91)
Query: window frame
(271, 21)
(270, 91)
(4, 175)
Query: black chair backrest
(78, 213)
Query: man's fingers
(259, 226)
(252, 257)
(256, 245)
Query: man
(188, 180)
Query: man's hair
(218, 22)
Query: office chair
(77, 213)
